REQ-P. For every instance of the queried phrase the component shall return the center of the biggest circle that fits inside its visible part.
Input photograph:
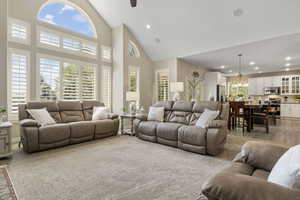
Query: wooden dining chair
(237, 115)
(261, 118)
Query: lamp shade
(176, 87)
(132, 96)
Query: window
(106, 54)
(69, 17)
(71, 44)
(162, 81)
(133, 50)
(90, 49)
(106, 85)
(18, 31)
(66, 80)
(133, 73)
(49, 38)
(18, 79)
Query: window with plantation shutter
(49, 39)
(89, 49)
(49, 79)
(71, 44)
(106, 85)
(106, 54)
(17, 81)
(71, 81)
(133, 78)
(88, 80)
(162, 81)
(18, 31)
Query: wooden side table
(5, 139)
(131, 118)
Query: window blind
(88, 80)
(106, 54)
(71, 84)
(163, 86)
(71, 44)
(89, 49)
(106, 85)
(49, 39)
(17, 80)
(18, 31)
(49, 79)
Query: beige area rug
(7, 191)
(117, 168)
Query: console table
(131, 118)
(5, 139)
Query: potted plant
(3, 110)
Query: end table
(131, 118)
(5, 139)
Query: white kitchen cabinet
(290, 110)
(251, 86)
(268, 81)
(260, 86)
(256, 86)
(276, 81)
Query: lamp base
(176, 96)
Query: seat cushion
(82, 129)
(148, 128)
(54, 133)
(192, 135)
(103, 126)
(260, 173)
(168, 131)
(70, 111)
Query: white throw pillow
(286, 171)
(42, 116)
(100, 113)
(156, 114)
(206, 117)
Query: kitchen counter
(290, 103)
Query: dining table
(248, 111)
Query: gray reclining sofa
(73, 126)
(179, 130)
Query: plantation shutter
(106, 85)
(71, 82)
(106, 54)
(88, 80)
(49, 79)
(18, 31)
(89, 49)
(17, 82)
(163, 86)
(71, 44)
(133, 76)
(49, 39)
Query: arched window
(133, 50)
(67, 16)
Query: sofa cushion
(180, 117)
(192, 135)
(206, 118)
(51, 107)
(54, 133)
(70, 111)
(42, 116)
(148, 127)
(211, 105)
(185, 106)
(156, 114)
(104, 126)
(82, 129)
(168, 131)
(88, 108)
(260, 173)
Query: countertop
(289, 103)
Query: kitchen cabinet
(290, 110)
(256, 86)
(276, 81)
(290, 85)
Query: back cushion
(70, 111)
(181, 112)
(88, 108)
(167, 105)
(51, 107)
(199, 108)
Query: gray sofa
(73, 126)
(246, 178)
(179, 130)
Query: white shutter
(17, 81)
(133, 78)
(89, 49)
(88, 80)
(49, 79)
(106, 85)
(71, 44)
(49, 39)
(71, 81)
(162, 85)
(106, 54)
(18, 31)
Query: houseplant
(3, 116)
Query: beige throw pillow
(42, 116)
(156, 114)
(100, 113)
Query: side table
(5, 139)
(131, 118)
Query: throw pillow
(206, 117)
(286, 171)
(156, 114)
(42, 116)
(100, 113)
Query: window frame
(27, 26)
(14, 116)
(137, 71)
(135, 48)
(157, 85)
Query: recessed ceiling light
(288, 58)
(238, 12)
(252, 63)
(288, 64)
(222, 67)
(287, 69)
(148, 26)
(256, 68)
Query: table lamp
(132, 98)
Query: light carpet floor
(117, 168)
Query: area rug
(117, 168)
(7, 191)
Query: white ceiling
(192, 27)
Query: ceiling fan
(133, 3)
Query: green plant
(2, 109)
(125, 109)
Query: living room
(136, 99)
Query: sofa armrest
(113, 116)
(229, 186)
(29, 123)
(217, 124)
(141, 117)
(216, 137)
(260, 155)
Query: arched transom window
(133, 50)
(68, 17)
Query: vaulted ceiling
(188, 28)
